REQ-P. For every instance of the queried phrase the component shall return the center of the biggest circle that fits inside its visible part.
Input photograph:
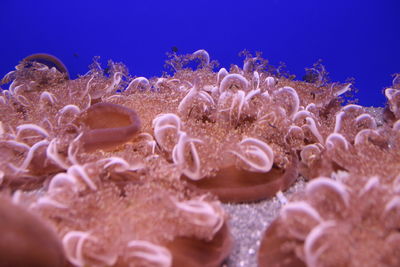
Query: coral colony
(114, 170)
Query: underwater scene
(200, 133)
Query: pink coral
(125, 167)
(336, 224)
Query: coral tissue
(114, 170)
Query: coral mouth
(195, 253)
(109, 125)
(236, 185)
(271, 251)
(48, 60)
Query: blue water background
(359, 39)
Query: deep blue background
(359, 39)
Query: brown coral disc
(193, 252)
(48, 60)
(25, 239)
(275, 251)
(235, 185)
(108, 126)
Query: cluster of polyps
(59, 123)
(28, 142)
(229, 99)
(202, 213)
(235, 95)
(74, 242)
(195, 97)
(137, 252)
(166, 130)
(170, 137)
(393, 96)
(253, 95)
(279, 118)
(331, 226)
(353, 127)
(86, 243)
(351, 120)
(139, 83)
(256, 155)
(150, 253)
(239, 98)
(259, 120)
(54, 155)
(39, 131)
(354, 145)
